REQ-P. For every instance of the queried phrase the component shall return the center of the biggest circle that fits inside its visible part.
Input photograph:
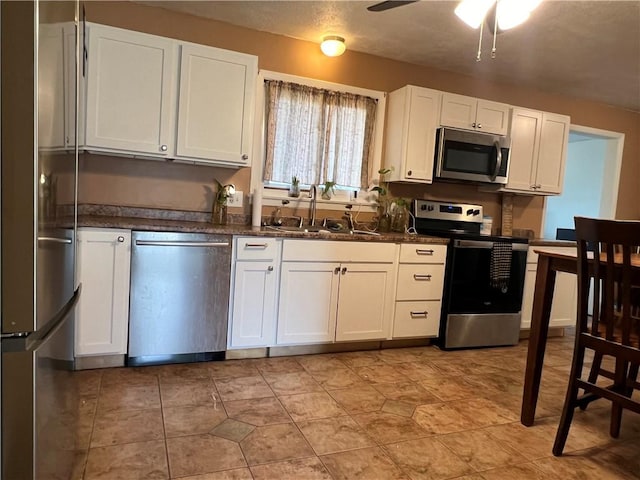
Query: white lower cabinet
(102, 314)
(308, 299)
(336, 291)
(254, 299)
(565, 294)
(419, 290)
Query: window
(320, 134)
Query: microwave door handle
(496, 145)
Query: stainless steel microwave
(471, 156)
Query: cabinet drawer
(337, 251)
(417, 319)
(420, 282)
(256, 248)
(422, 253)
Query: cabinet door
(253, 313)
(365, 304)
(130, 91)
(554, 138)
(523, 155)
(458, 111)
(215, 113)
(492, 117)
(308, 302)
(102, 315)
(424, 109)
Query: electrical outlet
(235, 200)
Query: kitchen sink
(322, 230)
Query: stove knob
(423, 207)
(470, 212)
(430, 208)
(476, 212)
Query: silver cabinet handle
(336, 271)
(255, 245)
(163, 148)
(55, 240)
(420, 276)
(479, 125)
(424, 252)
(120, 239)
(160, 243)
(419, 314)
(496, 145)
(473, 124)
(344, 270)
(270, 268)
(245, 156)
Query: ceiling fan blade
(382, 6)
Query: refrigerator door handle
(55, 240)
(29, 341)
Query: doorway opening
(591, 179)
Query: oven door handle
(496, 145)
(487, 245)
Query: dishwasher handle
(178, 243)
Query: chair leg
(570, 401)
(566, 418)
(620, 382)
(593, 375)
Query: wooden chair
(612, 331)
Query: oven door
(471, 156)
(478, 311)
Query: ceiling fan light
(333, 46)
(472, 12)
(512, 13)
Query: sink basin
(314, 229)
(305, 229)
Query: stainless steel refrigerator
(40, 393)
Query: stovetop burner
(453, 220)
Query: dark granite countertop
(165, 225)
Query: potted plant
(219, 210)
(328, 189)
(384, 200)
(294, 189)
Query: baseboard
(98, 361)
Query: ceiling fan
(388, 4)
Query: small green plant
(224, 191)
(328, 189)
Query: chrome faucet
(313, 193)
(349, 216)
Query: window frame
(273, 196)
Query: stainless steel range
(484, 276)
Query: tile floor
(411, 413)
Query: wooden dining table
(549, 263)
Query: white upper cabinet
(538, 152)
(411, 133)
(157, 97)
(130, 92)
(471, 113)
(216, 103)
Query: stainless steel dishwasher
(179, 299)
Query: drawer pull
(270, 268)
(344, 270)
(422, 251)
(255, 245)
(336, 271)
(419, 276)
(419, 314)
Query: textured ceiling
(584, 49)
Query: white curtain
(318, 135)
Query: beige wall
(145, 183)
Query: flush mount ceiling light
(333, 45)
(501, 14)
